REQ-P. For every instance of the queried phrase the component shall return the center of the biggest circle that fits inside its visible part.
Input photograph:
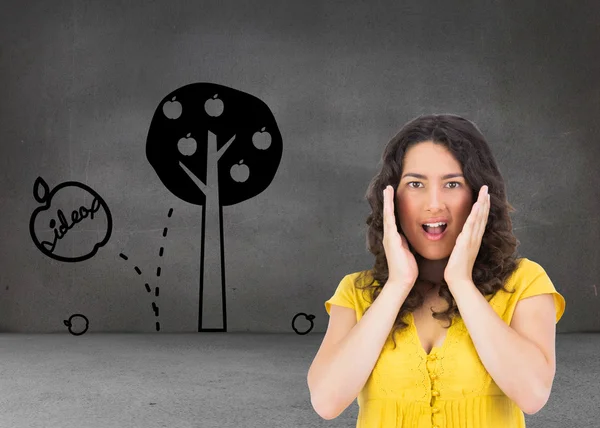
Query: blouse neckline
(435, 349)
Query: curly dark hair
(497, 257)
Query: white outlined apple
(172, 109)
(214, 106)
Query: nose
(435, 200)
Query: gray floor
(216, 380)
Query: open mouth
(434, 233)
(435, 230)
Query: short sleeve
(343, 296)
(542, 284)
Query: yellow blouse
(449, 387)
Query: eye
(451, 182)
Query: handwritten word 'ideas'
(89, 219)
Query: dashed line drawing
(161, 252)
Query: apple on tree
(187, 146)
(261, 139)
(172, 109)
(214, 106)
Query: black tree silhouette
(213, 146)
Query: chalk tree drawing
(213, 146)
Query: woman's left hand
(461, 261)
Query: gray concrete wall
(82, 82)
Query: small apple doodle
(69, 323)
(213, 146)
(49, 225)
(310, 318)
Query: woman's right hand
(402, 266)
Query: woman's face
(419, 199)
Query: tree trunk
(212, 316)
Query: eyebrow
(412, 174)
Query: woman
(444, 250)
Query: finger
(480, 226)
(486, 214)
(387, 215)
(484, 210)
(474, 222)
(390, 211)
(384, 211)
(471, 223)
(475, 217)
